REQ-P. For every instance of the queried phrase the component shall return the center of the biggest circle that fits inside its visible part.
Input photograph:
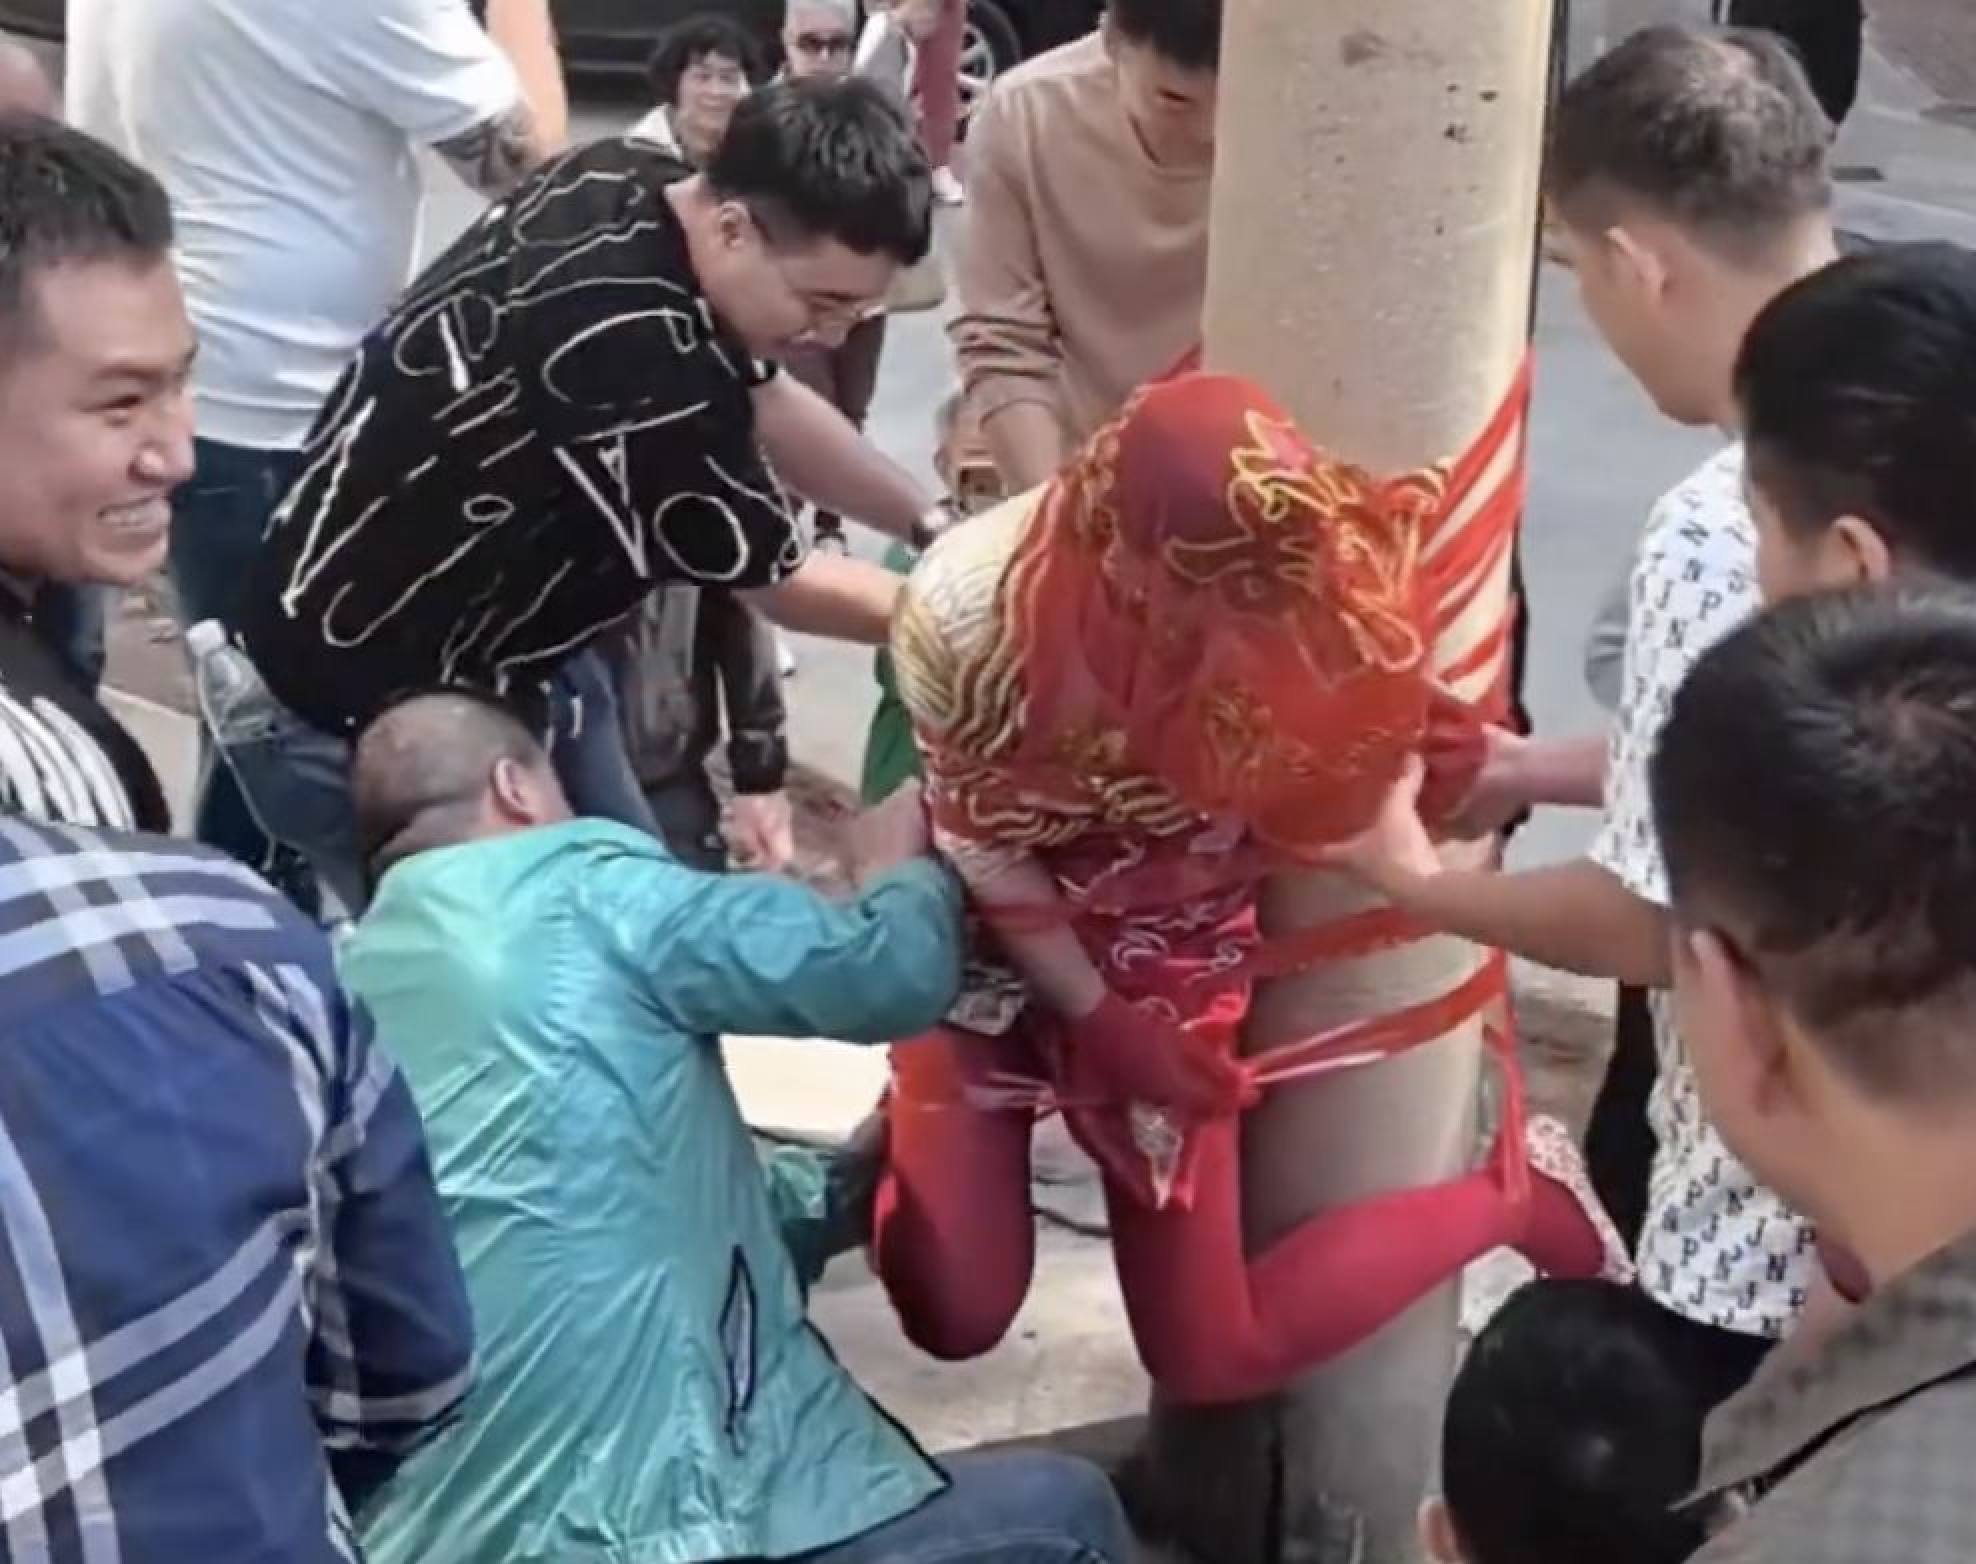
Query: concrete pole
(1375, 213)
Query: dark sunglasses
(824, 43)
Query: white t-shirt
(285, 132)
(1717, 1247)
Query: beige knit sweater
(1084, 263)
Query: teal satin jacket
(650, 1391)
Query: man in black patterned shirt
(571, 409)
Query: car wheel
(989, 47)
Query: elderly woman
(700, 70)
(1198, 654)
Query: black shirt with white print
(550, 424)
(63, 758)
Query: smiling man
(95, 433)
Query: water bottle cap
(208, 635)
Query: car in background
(40, 20)
(613, 37)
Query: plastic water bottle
(239, 712)
(205, 638)
(233, 698)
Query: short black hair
(1717, 131)
(1815, 797)
(66, 198)
(693, 39)
(1858, 393)
(422, 763)
(1574, 1431)
(828, 160)
(1187, 32)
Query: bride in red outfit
(1197, 656)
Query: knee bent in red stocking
(953, 1239)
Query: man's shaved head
(438, 769)
(24, 85)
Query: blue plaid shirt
(228, 1301)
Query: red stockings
(954, 1240)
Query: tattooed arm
(494, 156)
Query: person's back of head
(1857, 389)
(1813, 794)
(439, 768)
(1572, 1434)
(1688, 174)
(1717, 132)
(95, 348)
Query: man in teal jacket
(650, 1390)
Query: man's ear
(1746, 1033)
(1637, 263)
(1437, 1533)
(734, 224)
(513, 789)
(1863, 557)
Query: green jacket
(891, 757)
(650, 1391)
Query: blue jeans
(586, 742)
(1018, 1508)
(218, 519)
(296, 778)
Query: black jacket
(691, 655)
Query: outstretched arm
(1520, 773)
(1575, 916)
(816, 451)
(845, 599)
(756, 954)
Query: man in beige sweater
(1084, 263)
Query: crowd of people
(440, 1236)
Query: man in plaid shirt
(228, 1302)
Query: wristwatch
(933, 521)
